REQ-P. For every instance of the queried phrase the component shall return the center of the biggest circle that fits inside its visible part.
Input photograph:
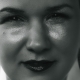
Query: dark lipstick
(38, 66)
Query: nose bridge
(37, 26)
(38, 31)
(38, 40)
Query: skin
(37, 34)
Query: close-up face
(39, 39)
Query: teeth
(37, 68)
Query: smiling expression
(38, 30)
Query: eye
(14, 18)
(56, 18)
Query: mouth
(38, 66)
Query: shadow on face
(39, 39)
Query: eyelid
(58, 15)
(16, 16)
(57, 18)
(5, 18)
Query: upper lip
(38, 66)
(38, 63)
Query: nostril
(37, 48)
(31, 50)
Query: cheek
(14, 35)
(11, 42)
(64, 38)
(57, 32)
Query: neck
(74, 73)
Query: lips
(38, 66)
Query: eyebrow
(11, 10)
(54, 8)
(59, 7)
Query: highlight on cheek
(57, 32)
(39, 38)
(14, 35)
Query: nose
(38, 40)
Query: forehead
(36, 3)
(32, 6)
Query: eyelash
(53, 18)
(14, 18)
(57, 17)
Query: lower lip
(39, 68)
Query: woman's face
(39, 39)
